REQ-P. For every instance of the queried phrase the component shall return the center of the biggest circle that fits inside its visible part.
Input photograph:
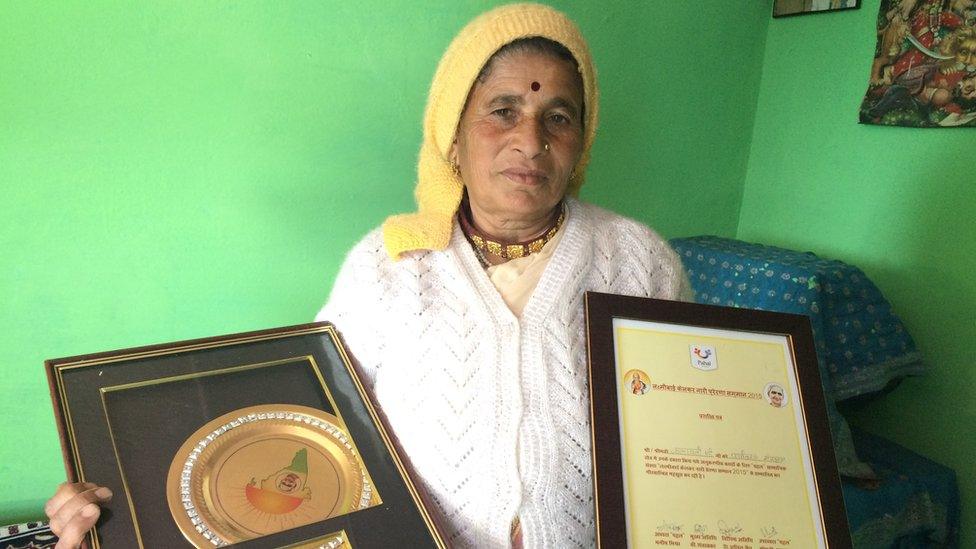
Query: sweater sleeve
(683, 290)
(666, 260)
(353, 308)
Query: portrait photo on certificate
(709, 428)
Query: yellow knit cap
(439, 189)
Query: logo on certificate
(637, 382)
(703, 358)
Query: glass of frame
(262, 439)
(709, 428)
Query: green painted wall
(896, 202)
(178, 170)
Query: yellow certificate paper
(709, 429)
(710, 439)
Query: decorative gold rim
(191, 487)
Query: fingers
(74, 510)
(76, 528)
(66, 491)
(70, 508)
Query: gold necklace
(483, 244)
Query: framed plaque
(261, 439)
(709, 428)
(786, 8)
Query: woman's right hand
(73, 511)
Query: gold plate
(263, 469)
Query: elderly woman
(466, 318)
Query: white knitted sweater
(491, 410)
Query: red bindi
(535, 86)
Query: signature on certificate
(728, 530)
(769, 532)
(667, 526)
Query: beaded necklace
(483, 245)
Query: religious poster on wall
(924, 70)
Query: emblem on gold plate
(264, 469)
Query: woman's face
(527, 101)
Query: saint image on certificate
(638, 381)
(775, 395)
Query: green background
(896, 202)
(179, 170)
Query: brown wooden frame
(601, 309)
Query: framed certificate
(262, 439)
(709, 428)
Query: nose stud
(547, 147)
